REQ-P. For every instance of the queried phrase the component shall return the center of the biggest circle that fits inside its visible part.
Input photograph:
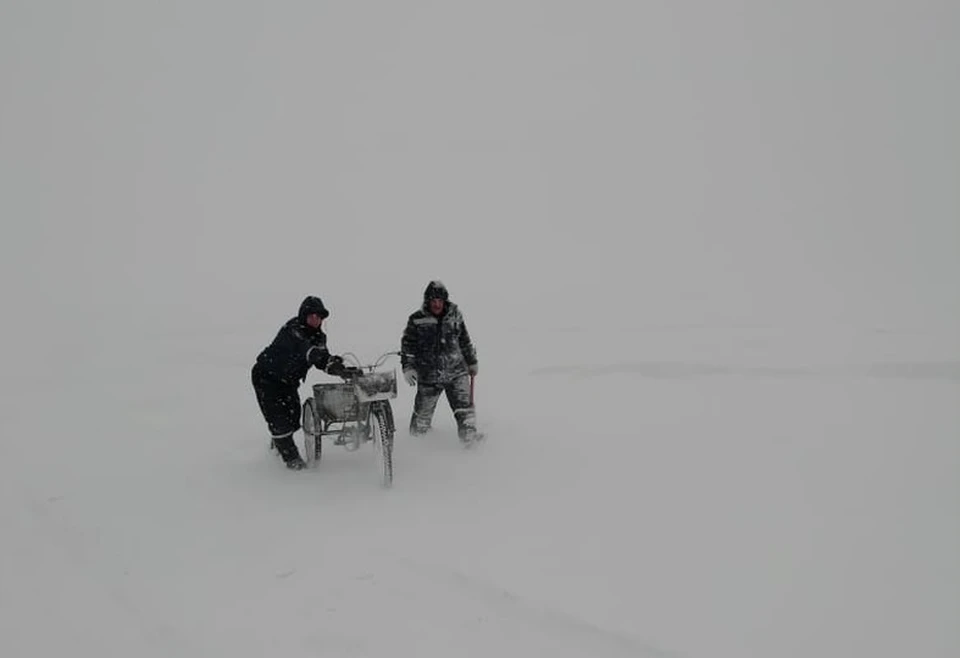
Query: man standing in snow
(438, 356)
(283, 365)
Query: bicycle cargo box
(336, 402)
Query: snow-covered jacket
(438, 348)
(296, 347)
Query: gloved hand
(318, 356)
(348, 372)
(335, 366)
(410, 375)
(473, 369)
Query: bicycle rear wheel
(312, 446)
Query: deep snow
(708, 254)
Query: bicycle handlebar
(370, 367)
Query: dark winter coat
(296, 347)
(438, 348)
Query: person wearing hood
(283, 365)
(437, 356)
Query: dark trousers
(458, 396)
(279, 404)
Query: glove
(318, 356)
(473, 369)
(411, 376)
(335, 366)
(348, 372)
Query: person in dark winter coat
(283, 365)
(437, 356)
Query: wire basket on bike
(376, 386)
(336, 403)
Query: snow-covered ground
(708, 254)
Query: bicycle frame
(343, 410)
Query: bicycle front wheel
(381, 435)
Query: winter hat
(310, 305)
(436, 290)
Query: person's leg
(424, 406)
(458, 395)
(280, 406)
(261, 389)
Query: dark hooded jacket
(296, 347)
(438, 348)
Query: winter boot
(467, 427)
(288, 451)
(468, 437)
(469, 433)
